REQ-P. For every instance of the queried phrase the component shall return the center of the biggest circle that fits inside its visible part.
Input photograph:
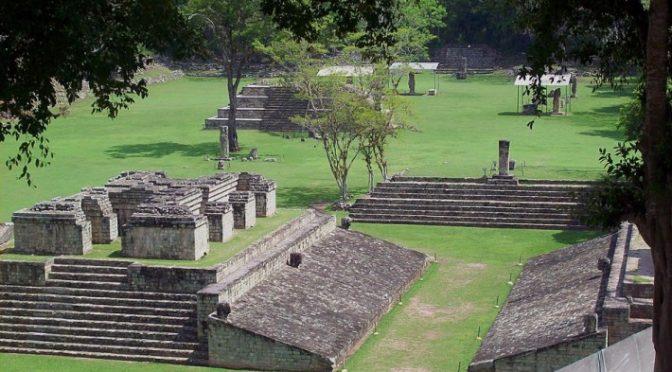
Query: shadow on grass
(625, 91)
(303, 197)
(615, 134)
(570, 237)
(161, 149)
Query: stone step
(148, 326)
(243, 113)
(97, 316)
(112, 349)
(116, 301)
(641, 308)
(88, 330)
(88, 262)
(85, 284)
(88, 277)
(495, 197)
(464, 203)
(84, 307)
(465, 218)
(467, 185)
(251, 101)
(55, 290)
(99, 340)
(474, 190)
(469, 223)
(88, 269)
(518, 215)
(195, 358)
(388, 204)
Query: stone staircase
(86, 310)
(262, 107)
(471, 202)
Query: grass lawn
(435, 327)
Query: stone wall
(232, 347)
(547, 359)
(24, 273)
(52, 228)
(166, 232)
(169, 279)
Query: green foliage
(418, 22)
(376, 18)
(44, 43)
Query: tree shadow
(161, 149)
(303, 197)
(569, 237)
(615, 134)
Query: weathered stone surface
(169, 279)
(168, 232)
(24, 273)
(220, 221)
(549, 319)
(323, 308)
(264, 192)
(55, 227)
(98, 210)
(244, 209)
(6, 232)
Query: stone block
(166, 232)
(98, 210)
(52, 228)
(220, 221)
(244, 209)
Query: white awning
(416, 66)
(346, 70)
(546, 80)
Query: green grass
(435, 327)
(458, 134)
(219, 252)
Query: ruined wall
(169, 279)
(52, 228)
(232, 347)
(220, 221)
(24, 273)
(546, 359)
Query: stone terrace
(471, 202)
(263, 107)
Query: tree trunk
(657, 223)
(233, 132)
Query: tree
(232, 30)
(622, 35)
(416, 26)
(103, 42)
(376, 18)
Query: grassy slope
(435, 328)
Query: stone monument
(503, 175)
(556, 101)
(411, 83)
(224, 142)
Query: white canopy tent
(417, 67)
(547, 80)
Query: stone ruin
(571, 303)
(156, 216)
